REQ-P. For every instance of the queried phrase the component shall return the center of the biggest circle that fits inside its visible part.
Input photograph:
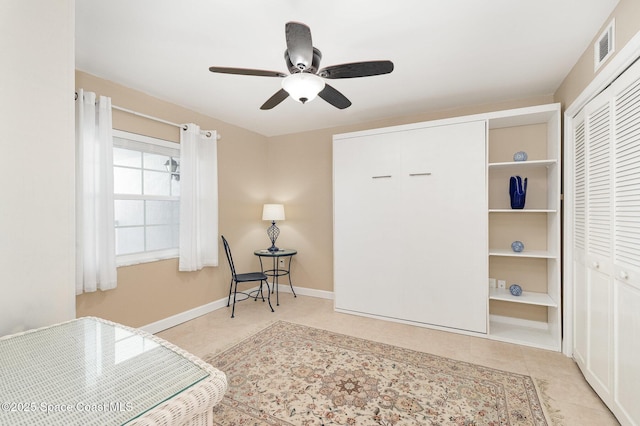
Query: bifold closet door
(606, 244)
(626, 246)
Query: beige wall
(627, 16)
(153, 291)
(37, 211)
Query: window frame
(150, 255)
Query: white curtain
(198, 198)
(95, 233)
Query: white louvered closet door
(606, 244)
(626, 306)
(580, 306)
(599, 286)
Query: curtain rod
(160, 120)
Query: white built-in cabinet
(422, 220)
(410, 224)
(605, 243)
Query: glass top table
(91, 372)
(277, 270)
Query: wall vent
(604, 45)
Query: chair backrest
(227, 251)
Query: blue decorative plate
(517, 246)
(520, 156)
(515, 289)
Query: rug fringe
(552, 414)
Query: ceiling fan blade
(334, 97)
(246, 71)
(274, 100)
(299, 45)
(357, 69)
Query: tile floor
(568, 391)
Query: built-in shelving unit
(534, 317)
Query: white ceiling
(447, 53)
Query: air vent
(604, 46)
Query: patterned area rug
(289, 374)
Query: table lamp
(273, 212)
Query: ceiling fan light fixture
(303, 86)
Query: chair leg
(235, 291)
(230, 288)
(268, 294)
(261, 294)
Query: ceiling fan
(305, 80)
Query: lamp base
(273, 233)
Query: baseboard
(303, 291)
(196, 312)
(185, 316)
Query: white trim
(304, 291)
(146, 257)
(617, 65)
(177, 319)
(185, 316)
(122, 134)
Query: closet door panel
(445, 228)
(599, 185)
(627, 181)
(599, 326)
(627, 246)
(366, 197)
(580, 307)
(627, 348)
(598, 248)
(580, 310)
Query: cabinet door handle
(420, 174)
(624, 275)
(381, 177)
(595, 265)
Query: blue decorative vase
(517, 191)
(520, 156)
(517, 246)
(515, 289)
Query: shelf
(523, 211)
(526, 253)
(530, 336)
(518, 164)
(527, 297)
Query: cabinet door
(366, 221)
(444, 226)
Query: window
(146, 182)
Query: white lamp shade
(303, 86)
(273, 212)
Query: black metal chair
(244, 278)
